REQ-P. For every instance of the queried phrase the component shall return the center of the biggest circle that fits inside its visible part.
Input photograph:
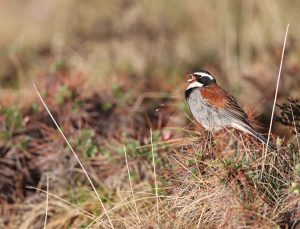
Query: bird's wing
(223, 103)
(226, 105)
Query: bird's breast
(203, 113)
(197, 105)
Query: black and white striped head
(201, 78)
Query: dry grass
(199, 180)
(110, 73)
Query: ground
(112, 76)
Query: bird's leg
(210, 143)
(224, 143)
(218, 144)
(232, 142)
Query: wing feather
(223, 103)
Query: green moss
(63, 94)
(12, 121)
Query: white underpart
(194, 84)
(204, 74)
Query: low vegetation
(202, 179)
(116, 91)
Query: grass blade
(75, 155)
(154, 172)
(275, 97)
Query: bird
(215, 109)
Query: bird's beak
(191, 79)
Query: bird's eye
(204, 80)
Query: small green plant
(295, 185)
(124, 97)
(34, 108)
(297, 169)
(105, 194)
(84, 143)
(12, 121)
(81, 196)
(63, 93)
(107, 106)
(24, 143)
(117, 91)
(136, 150)
(59, 65)
(77, 106)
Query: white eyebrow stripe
(204, 74)
(194, 84)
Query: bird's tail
(249, 130)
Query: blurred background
(105, 67)
(239, 41)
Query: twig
(47, 202)
(131, 187)
(275, 97)
(154, 171)
(129, 202)
(84, 212)
(75, 155)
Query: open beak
(191, 79)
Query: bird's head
(201, 78)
